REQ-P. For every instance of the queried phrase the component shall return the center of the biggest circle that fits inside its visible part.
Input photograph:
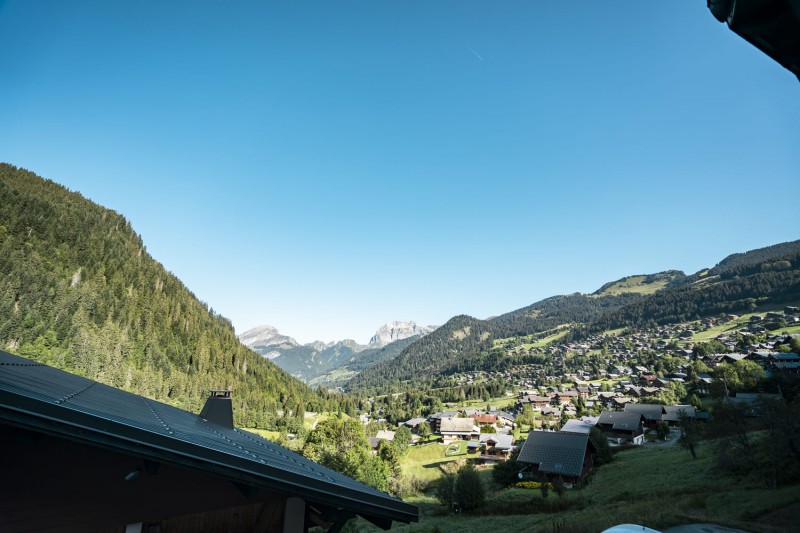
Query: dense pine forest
(79, 291)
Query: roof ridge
(70, 396)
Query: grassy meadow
(654, 485)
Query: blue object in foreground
(630, 528)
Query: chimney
(218, 409)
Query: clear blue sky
(325, 167)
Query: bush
(533, 485)
(469, 490)
(445, 490)
(505, 473)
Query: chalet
(786, 361)
(750, 402)
(536, 401)
(504, 418)
(566, 397)
(733, 357)
(413, 424)
(382, 434)
(458, 429)
(674, 413)
(633, 391)
(661, 382)
(620, 401)
(551, 411)
(649, 391)
(622, 427)
(436, 420)
(607, 398)
(704, 382)
(582, 426)
(652, 413)
(484, 419)
(497, 447)
(116, 461)
(555, 454)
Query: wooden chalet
(622, 427)
(497, 447)
(82, 456)
(652, 413)
(458, 429)
(557, 455)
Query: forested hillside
(740, 283)
(465, 343)
(79, 291)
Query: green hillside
(79, 291)
(465, 343)
(642, 284)
(740, 283)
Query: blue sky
(325, 167)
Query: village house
(413, 424)
(622, 427)
(458, 429)
(673, 414)
(652, 413)
(555, 455)
(435, 420)
(581, 426)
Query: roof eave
(161, 448)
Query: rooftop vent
(218, 409)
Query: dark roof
(621, 420)
(44, 399)
(772, 27)
(675, 412)
(650, 411)
(555, 452)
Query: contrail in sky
(473, 51)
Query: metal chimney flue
(218, 408)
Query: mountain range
(79, 291)
(743, 282)
(314, 362)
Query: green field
(635, 284)
(269, 435)
(657, 486)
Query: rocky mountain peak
(397, 330)
(265, 336)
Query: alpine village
(126, 404)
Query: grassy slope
(635, 284)
(655, 486)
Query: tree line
(79, 291)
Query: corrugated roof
(674, 413)
(555, 452)
(577, 426)
(650, 411)
(621, 420)
(40, 397)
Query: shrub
(469, 490)
(505, 473)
